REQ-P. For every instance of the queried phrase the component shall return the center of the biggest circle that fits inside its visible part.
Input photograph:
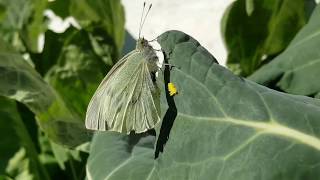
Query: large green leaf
(297, 69)
(19, 81)
(256, 30)
(226, 128)
(118, 156)
(19, 157)
(104, 19)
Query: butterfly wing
(126, 99)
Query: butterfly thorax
(149, 53)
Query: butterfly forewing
(127, 99)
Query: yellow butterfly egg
(172, 89)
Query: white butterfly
(128, 98)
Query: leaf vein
(268, 128)
(209, 92)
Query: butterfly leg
(166, 64)
(171, 66)
(155, 39)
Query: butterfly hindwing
(126, 99)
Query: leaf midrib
(271, 127)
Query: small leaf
(63, 155)
(249, 7)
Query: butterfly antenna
(140, 25)
(145, 17)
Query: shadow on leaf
(170, 115)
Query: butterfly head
(142, 44)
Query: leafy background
(226, 126)
(45, 92)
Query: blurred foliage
(105, 27)
(19, 160)
(297, 69)
(22, 22)
(255, 31)
(52, 85)
(69, 75)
